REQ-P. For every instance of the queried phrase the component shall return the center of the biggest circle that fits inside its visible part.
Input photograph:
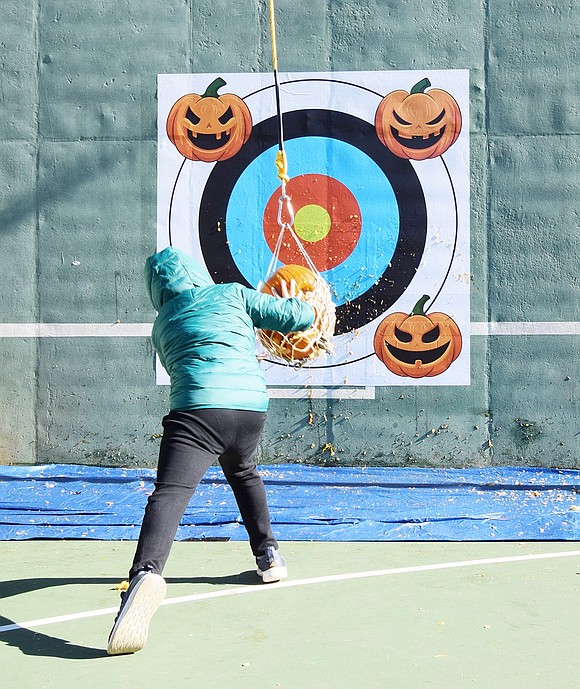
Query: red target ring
(327, 220)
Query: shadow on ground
(35, 643)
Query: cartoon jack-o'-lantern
(418, 345)
(418, 125)
(209, 127)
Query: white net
(306, 345)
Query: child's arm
(285, 315)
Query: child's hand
(288, 290)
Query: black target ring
(358, 133)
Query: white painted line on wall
(526, 328)
(241, 590)
(343, 393)
(48, 330)
(75, 329)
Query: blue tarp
(306, 503)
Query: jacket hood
(170, 272)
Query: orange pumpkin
(209, 127)
(304, 278)
(417, 345)
(300, 345)
(418, 125)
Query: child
(204, 335)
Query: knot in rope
(282, 165)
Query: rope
(300, 347)
(281, 163)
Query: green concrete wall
(77, 219)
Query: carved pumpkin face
(209, 127)
(418, 125)
(417, 345)
(296, 346)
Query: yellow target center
(312, 223)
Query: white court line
(299, 582)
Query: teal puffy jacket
(204, 333)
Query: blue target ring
(353, 168)
(368, 282)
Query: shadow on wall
(57, 183)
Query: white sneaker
(271, 566)
(138, 605)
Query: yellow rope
(281, 161)
(273, 36)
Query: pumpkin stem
(419, 309)
(420, 86)
(212, 90)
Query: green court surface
(351, 615)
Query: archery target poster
(378, 168)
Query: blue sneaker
(271, 566)
(138, 605)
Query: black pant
(192, 441)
